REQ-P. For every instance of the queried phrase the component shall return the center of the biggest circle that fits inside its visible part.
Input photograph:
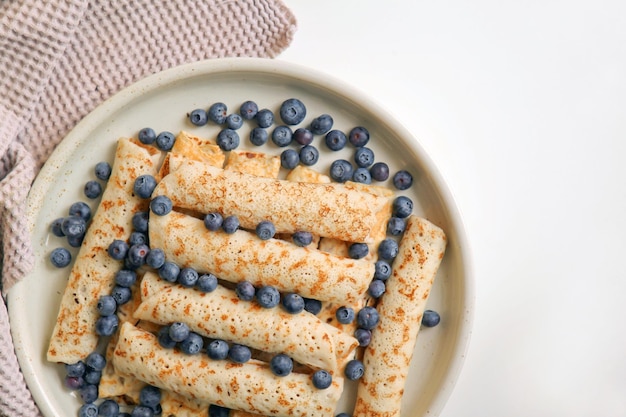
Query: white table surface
(522, 106)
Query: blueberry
(265, 230)
(293, 303)
(363, 336)
(265, 118)
(341, 170)
(144, 186)
(80, 209)
(367, 318)
(74, 382)
(142, 411)
(118, 249)
(402, 180)
(75, 241)
(335, 140)
(312, 306)
(292, 111)
(92, 377)
(107, 325)
(376, 288)
(147, 136)
(396, 226)
(245, 290)
(137, 238)
(281, 365)
(268, 297)
(188, 277)
(234, 121)
(75, 369)
(303, 136)
(178, 331)
(163, 336)
(165, 141)
(218, 411)
(56, 227)
(388, 249)
(354, 370)
(379, 171)
(289, 159)
(343, 415)
(282, 136)
(301, 238)
(382, 270)
(358, 250)
(239, 353)
(155, 258)
(364, 157)
(227, 139)
(161, 205)
(362, 175)
(60, 257)
(322, 379)
(102, 170)
(92, 189)
(108, 408)
(344, 315)
(198, 117)
(125, 277)
(230, 224)
(430, 318)
(213, 221)
(217, 113)
(137, 254)
(95, 361)
(140, 221)
(192, 344)
(402, 206)
(169, 271)
(207, 282)
(309, 155)
(217, 349)
(359, 136)
(122, 295)
(321, 124)
(150, 396)
(248, 110)
(88, 410)
(259, 136)
(74, 226)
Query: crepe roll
(92, 275)
(243, 256)
(389, 354)
(220, 314)
(331, 210)
(250, 386)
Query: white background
(522, 106)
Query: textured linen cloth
(59, 60)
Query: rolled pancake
(250, 386)
(243, 256)
(389, 354)
(331, 210)
(92, 274)
(220, 314)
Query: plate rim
(278, 67)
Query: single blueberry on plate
(75, 241)
(358, 250)
(165, 140)
(147, 136)
(140, 221)
(230, 224)
(150, 396)
(125, 277)
(396, 226)
(281, 365)
(301, 238)
(161, 205)
(164, 339)
(282, 136)
(322, 379)
(169, 271)
(213, 221)
(74, 382)
(106, 305)
(335, 140)
(207, 282)
(293, 303)
(265, 118)
(121, 295)
(362, 175)
(379, 171)
(248, 109)
(118, 249)
(354, 370)
(155, 258)
(144, 186)
(74, 226)
(321, 124)
(218, 411)
(227, 139)
(179, 331)
(388, 249)
(217, 113)
(268, 296)
(107, 325)
(80, 209)
(217, 349)
(60, 257)
(137, 238)
(102, 170)
(312, 306)
(292, 111)
(75, 369)
(367, 318)
(192, 344)
(363, 336)
(92, 377)
(303, 136)
(245, 290)
(402, 206)
(289, 159)
(344, 315)
(309, 155)
(430, 318)
(265, 230)
(364, 157)
(359, 136)
(402, 180)
(376, 288)
(239, 353)
(108, 408)
(92, 189)
(382, 270)
(341, 170)
(234, 121)
(259, 136)
(88, 410)
(188, 277)
(56, 227)
(198, 117)
(137, 255)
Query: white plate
(161, 101)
